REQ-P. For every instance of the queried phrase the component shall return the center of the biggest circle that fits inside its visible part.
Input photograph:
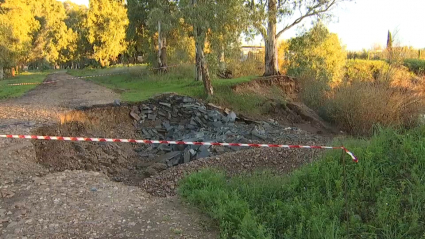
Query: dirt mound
(116, 160)
(264, 85)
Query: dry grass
(394, 99)
(357, 107)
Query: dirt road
(35, 203)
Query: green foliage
(415, 65)
(77, 21)
(385, 196)
(54, 37)
(17, 23)
(7, 91)
(107, 22)
(365, 70)
(317, 53)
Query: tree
(17, 23)
(76, 20)
(54, 36)
(107, 22)
(267, 13)
(163, 18)
(317, 53)
(389, 41)
(209, 17)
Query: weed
(384, 192)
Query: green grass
(140, 84)
(7, 91)
(415, 65)
(385, 192)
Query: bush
(373, 92)
(384, 194)
(318, 53)
(365, 70)
(415, 65)
(357, 107)
(252, 66)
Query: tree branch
(261, 29)
(311, 12)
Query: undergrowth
(385, 194)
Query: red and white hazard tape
(93, 76)
(42, 83)
(142, 141)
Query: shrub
(415, 65)
(357, 107)
(317, 52)
(365, 70)
(384, 194)
(252, 66)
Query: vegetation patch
(7, 91)
(383, 198)
(415, 65)
(142, 84)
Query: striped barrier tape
(143, 141)
(42, 83)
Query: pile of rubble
(182, 118)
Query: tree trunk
(162, 50)
(202, 72)
(271, 64)
(206, 76)
(198, 57)
(1, 72)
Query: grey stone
(145, 112)
(203, 152)
(167, 157)
(166, 125)
(117, 102)
(146, 133)
(165, 147)
(187, 156)
(217, 124)
(200, 135)
(258, 134)
(152, 116)
(188, 100)
(231, 117)
(165, 104)
(93, 189)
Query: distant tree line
(48, 33)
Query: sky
(362, 23)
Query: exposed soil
(36, 202)
(284, 106)
(264, 85)
(55, 189)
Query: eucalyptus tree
(210, 18)
(266, 14)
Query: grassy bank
(7, 91)
(385, 194)
(141, 84)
